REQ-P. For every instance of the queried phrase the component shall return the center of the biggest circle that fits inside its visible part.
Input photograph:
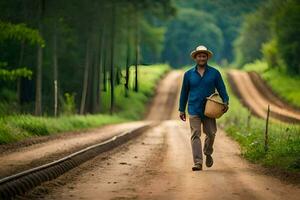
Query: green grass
(284, 139)
(18, 127)
(134, 106)
(283, 84)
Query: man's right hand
(182, 116)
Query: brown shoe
(209, 161)
(197, 167)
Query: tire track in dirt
(257, 101)
(266, 90)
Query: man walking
(198, 83)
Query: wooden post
(55, 98)
(248, 119)
(266, 131)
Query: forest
(56, 53)
(59, 57)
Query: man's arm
(184, 93)
(221, 88)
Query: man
(198, 83)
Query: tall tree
(85, 78)
(112, 86)
(137, 47)
(38, 90)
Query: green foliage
(68, 30)
(20, 32)
(271, 54)
(68, 106)
(228, 16)
(254, 32)
(287, 33)
(152, 40)
(8, 108)
(12, 75)
(271, 33)
(187, 31)
(258, 66)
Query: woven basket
(214, 106)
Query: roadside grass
(283, 84)
(284, 139)
(19, 127)
(134, 106)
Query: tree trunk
(127, 61)
(95, 80)
(85, 78)
(38, 89)
(112, 95)
(21, 58)
(136, 88)
(118, 76)
(101, 51)
(90, 89)
(55, 70)
(104, 83)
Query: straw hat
(203, 49)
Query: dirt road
(256, 97)
(157, 165)
(16, 159)
(41, 153)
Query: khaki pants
(210, 129)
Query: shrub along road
(157, 165)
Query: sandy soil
(166, 97)
(157, 165)
(41, 153)
(258, 101)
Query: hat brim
(209, 53)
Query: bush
(271, 55)
(68, 105)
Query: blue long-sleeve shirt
(195, 88)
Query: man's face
(201, 58)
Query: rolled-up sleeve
(184, 93)
(221, 88)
